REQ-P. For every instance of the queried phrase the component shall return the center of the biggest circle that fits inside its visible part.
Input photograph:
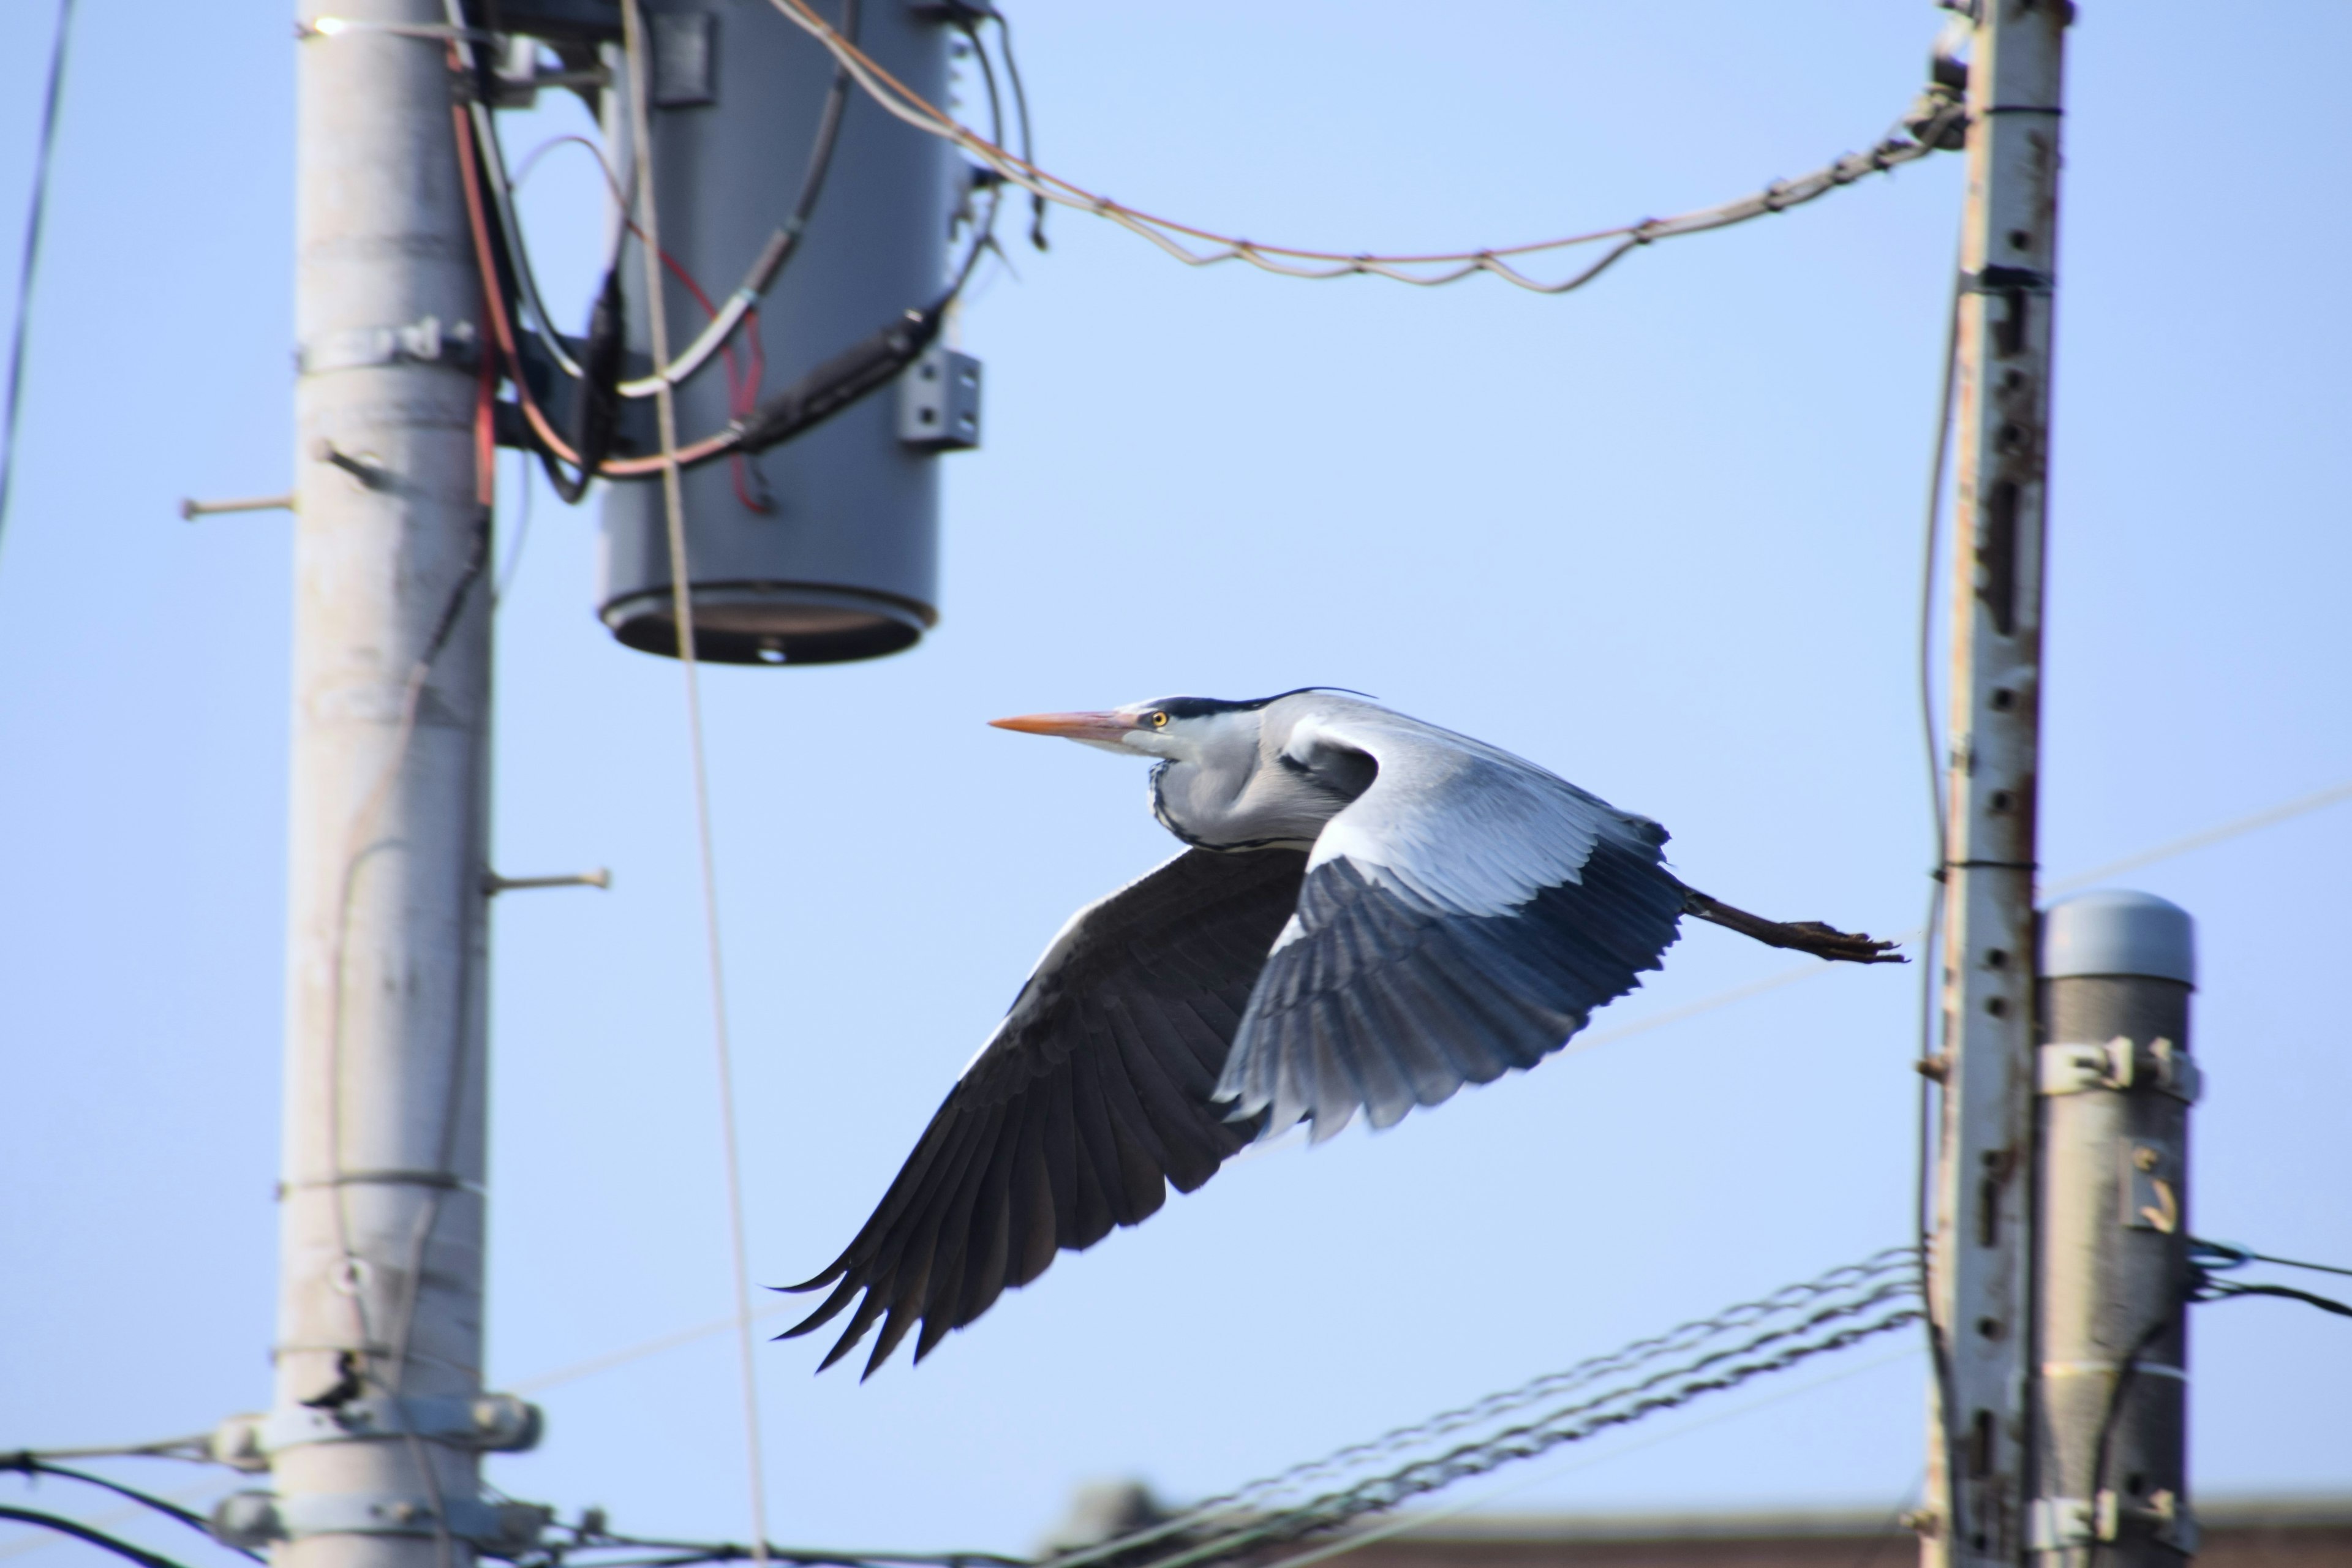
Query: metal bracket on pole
(255, 1519)
(491, 1423)
(495, 1422)
(2055, 1523)
(426, 340)
(192, 509)
(2120, 1066)
(493, 884)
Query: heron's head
(1171, 729)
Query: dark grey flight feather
(1374, 912)
(1092, 1097)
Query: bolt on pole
(2112, 1267)
(1980, 1250)
(377, 1419)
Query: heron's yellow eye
(1158, 721)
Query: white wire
(682, 610)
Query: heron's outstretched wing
(1461, 917)
(1091, 1097)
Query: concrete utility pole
(2111, 1248)
(1979, 1259)
(373, 1435)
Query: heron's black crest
(1201, 707)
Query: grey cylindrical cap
(2118, 932)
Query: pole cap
(2118, 932)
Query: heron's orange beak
(1070, 726)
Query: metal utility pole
(2111, 1248)
(1979, 1258)
(378, 1416)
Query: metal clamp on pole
(254, 1521)
(2119, 1065)
(2060, 1523)
(490, 1423)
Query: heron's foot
(1803, 936)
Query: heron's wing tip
(816, 1282)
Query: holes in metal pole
(1981, 1435)
(1997, 555)
(1996, 1005)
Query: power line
(1936, 121)
(1744, 1342)
(96, 1538)
(37, 210)
(682, 611)
(31, 1465)
(2229, 1254)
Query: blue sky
(1661, 535)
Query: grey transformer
(836, 555)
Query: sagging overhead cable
(1936, 121)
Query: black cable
(820, 163)
(825, 391)
(597, 413)
(1020, 112)
(476, 557)
(2218, 1291)
(29, 1464)
(2238, 1255)
(2125, 1374)
(98, 1538)
(969, 20)
(36, 210)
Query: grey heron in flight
(1369, 912)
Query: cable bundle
(1744, 1340)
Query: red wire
(486, 435)
(742, 391)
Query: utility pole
(1979, 1258)
(378, 1416)
(2110, 1464)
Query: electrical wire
(195, 1448)
(1934, 122)
(768, 265)
(1021, 109)
(96, 1538)
(1407, 1524)
(1927, 1120)
(2235, 1255)
(30, 1464)
(682, 611)
(2230, 1291)
(29, 265)
(825, 391)
(1743, 1340)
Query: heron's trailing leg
(1805, 936)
